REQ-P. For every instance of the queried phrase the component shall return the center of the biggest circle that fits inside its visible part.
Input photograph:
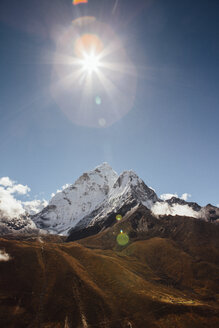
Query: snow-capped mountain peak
(97, 196)
(69, 206)
(129, 183)
(128, 189)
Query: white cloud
(34, 206)
(4, 256)
(62, 188)
(167, 196)
(10, 206)
(185, 196)
(6, 182)
(19, 189)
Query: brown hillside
(155, 282)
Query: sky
(155, 111)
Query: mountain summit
(72, 204)
(101, 193)
(94, 194)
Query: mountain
(179, 201)
(75, 202)
(94, 194)
(210, 213)
(125, 263)
(127, 191)
(93, 201)
(18, 224)
(165, 274)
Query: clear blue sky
(170, 137)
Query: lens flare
(122, 238)
(98, 100)
(77, 2)
(102, 122)
(90, 60)
(118, 217)
(88, 44)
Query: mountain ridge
(97, 195)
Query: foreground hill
(164, 275)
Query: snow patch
(163, 208)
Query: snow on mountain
(180, 201)
(18, 224)
(93, 200)
(210, 213)
(129, 182)
(101, 193)
(178, 206)
(128, 189)
(69, 206)
(91, 197)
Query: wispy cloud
(19, 189)
(185, 196)
(4, 257)
(60, 190)
(167, 196)
(34, 206)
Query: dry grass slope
(153, 283)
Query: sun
(90, 62)
(88, 49)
